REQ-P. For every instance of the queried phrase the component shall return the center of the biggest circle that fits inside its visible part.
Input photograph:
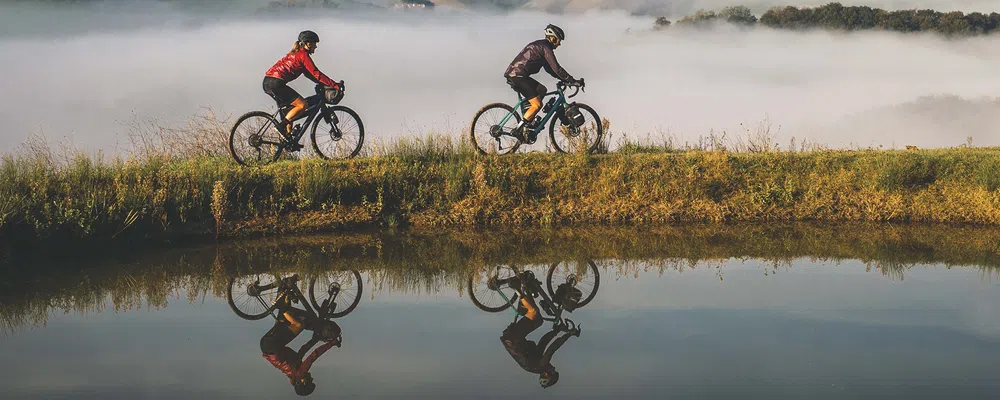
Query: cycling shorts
(279, 91)
(277, 338)
(526, 86)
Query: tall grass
(180, 185)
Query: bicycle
(549, 303)
(324, 302)
(259, 132)
(574, 125)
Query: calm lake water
(800, 324)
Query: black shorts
(279, 91)
(277, 338)
(521, 329)
(527, 87)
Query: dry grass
(181, 181)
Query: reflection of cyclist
(288, 68)
(529, 61)
(274, 345)
(534, 357)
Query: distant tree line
(835, 16)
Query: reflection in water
(251, 299)
(433, 262)
(573, 291)
(798, 307)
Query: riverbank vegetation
(197, 191)
(438, 261)
(837, 17)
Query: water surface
(897, 319)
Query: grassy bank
(438, 184)
(432, 261)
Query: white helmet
(556, 31)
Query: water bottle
(548, 106)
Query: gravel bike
(333, 294)
(336, 131)
(580, 127)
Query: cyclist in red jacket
(295, 365)
(289, 67)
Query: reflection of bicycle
(496, 295)
(256, 139)
(493, 124)
(331, 295)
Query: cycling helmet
(556, 31)
(306, 386)
(549, 379)
(308, 36)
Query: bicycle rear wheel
(572, 138)
(255, 140)
(254, 296)
(488, 135)
(347, 285)
(487, 296)
(342, 134)
(586, 278)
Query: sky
(79, 74)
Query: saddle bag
(572, 116)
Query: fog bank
(409, 73)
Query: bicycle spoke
(487, 129)
(254, 139)
(340, 136)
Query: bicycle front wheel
(338, 133)
(255, 140)
(586, 278)
(571, 138)
(491, 127)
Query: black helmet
(305, 386)
(548, 379)
(308, 36)
(556, 31)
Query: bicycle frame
(315, 106)
(534, 287)
(291, 284)
(548, 115)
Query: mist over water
(79, 72)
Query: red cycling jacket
(287, 361)
(294, 64)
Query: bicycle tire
(479, 304)
(233, 139)
(361, 133)
(593, 270)
(597, 121)
(246, 315)
(354, 304)
(473, 132)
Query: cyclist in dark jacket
(530, 356)
(535, 56)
